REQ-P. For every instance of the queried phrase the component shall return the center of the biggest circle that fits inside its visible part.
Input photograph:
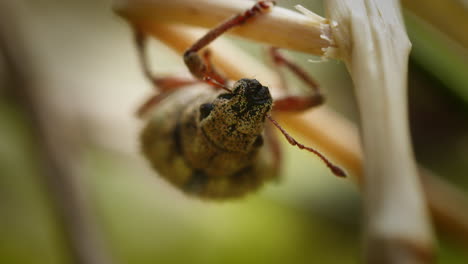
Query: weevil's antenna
(215, 83)
(335, 169)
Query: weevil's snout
(253, 90)
(258, 95)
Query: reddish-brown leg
(295, 103)
(165, 85)
(199, 67)
(149, 104)
(211, 71)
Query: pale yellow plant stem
(281, 27)
(372, 41)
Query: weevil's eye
(205, 110)
(226, 96)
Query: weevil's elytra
(210, 140)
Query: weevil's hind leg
(198, 66)
(295, 103)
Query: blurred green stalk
(445, 58)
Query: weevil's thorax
(236, 120)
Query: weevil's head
(252, 93)
(239, 114)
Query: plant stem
(280, 27)
(375, 47)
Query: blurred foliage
(146, 220)
(438, 98)
(441, 56)
(310, 216)
(28, 230)
(174, 229)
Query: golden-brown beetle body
(209, 143)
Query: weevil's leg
(295, 103)
(163, 84)
(196, 65)
(334, 169)
(166, 86)
(150, 103)
(280, 60)
(173, 82)
(211, 71)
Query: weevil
(213, 140)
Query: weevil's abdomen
(177, 146)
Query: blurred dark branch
(58, 154)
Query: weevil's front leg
(198, 66)
(295, 103)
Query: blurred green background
(89, 76)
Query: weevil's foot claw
(267, 3)
(264, 5)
